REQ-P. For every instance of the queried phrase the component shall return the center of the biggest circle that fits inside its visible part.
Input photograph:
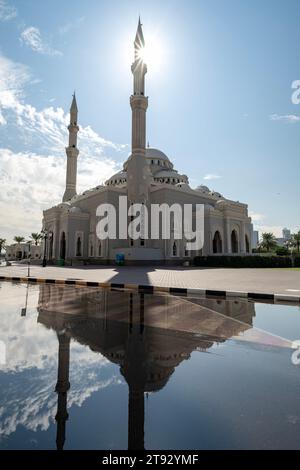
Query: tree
(295, 240)
(36, 237)
(282, 250)
(2, 244)
(19, 239)
(268, 241)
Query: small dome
(75, 210)
(117, 179)
(203, 188)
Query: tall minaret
(72, 153)
(138, 171)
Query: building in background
(286, 236)
(24, 250)
(255, 239)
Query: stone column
(227, 236)
(242, 240)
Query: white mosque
(148, 177)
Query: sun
(153, 52)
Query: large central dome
(161, 168)
(153, 153)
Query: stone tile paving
(247, 280)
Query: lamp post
(45, 236)
(292, 256)
(29, 258)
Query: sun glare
(153, 53)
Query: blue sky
(219, 101)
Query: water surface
(88, 368)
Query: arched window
(217, 243)
(78, 247)
(99, 249)
(247, 244)
(234, 242)
(174, 249)
(91, 250)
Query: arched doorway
(247, 244)
(234, 242)
(174, 249)
(63, 246)
(78, 247)
(217, 243)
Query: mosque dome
(153, 153)
(161, 168)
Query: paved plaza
(272, 281)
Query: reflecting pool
(89, 368)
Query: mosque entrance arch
(63, 246)
(217, 243)
(234, 242)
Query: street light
(29, 258)
(45, 236)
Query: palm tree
(295, 240)
(268, 241)
(19, 239)
(36, 238)
(2, 243)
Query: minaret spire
(72, 152)
(139, 42)
(74, 109)
(139, 68)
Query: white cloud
(32, 178)
(260, 224)
(32, 37)
(275, 229)
(66, 28)
(290, 118)
(256, 217)
(13, 76)
(7, 12)
(211, 177)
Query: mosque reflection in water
(147, 336)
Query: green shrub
(297, 262)
(228, 261)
